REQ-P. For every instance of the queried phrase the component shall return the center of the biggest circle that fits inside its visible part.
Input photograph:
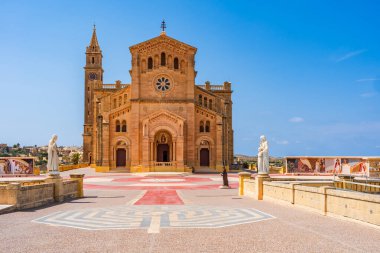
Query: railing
(164, 164)
(109, 86)
(217, 87)
(113, 86)
(369, 187)
(212, 87)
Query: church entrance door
(162, 153)
(205, 157)
(121, 157)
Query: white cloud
(367, 80)
(284, 142)
(368, 94)
(350, 55)
(296, 120)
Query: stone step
(119, 170)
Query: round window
(163, 84)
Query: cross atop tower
(163, 26)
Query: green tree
(75, 158)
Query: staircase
(119, 170)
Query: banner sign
(374, 167)
(16, 165)
(333, 165)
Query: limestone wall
(41, 193)
(279, 191)
(70, 189)
(308, 196)
(364, 207)
(321, 196)
(27, 196)
(249, 187)
(35, 195)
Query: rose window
(163, 84)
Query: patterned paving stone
(154, 217)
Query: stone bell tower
(93, 74)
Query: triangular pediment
(159, 42)
(163, 115)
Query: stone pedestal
(259, 180)
(57, 180)
(242, 176)
(79, 178)
(12, 194)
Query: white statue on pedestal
(263, 156)
(53, 161)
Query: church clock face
(163, 83)
(92, 76)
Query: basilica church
(161, 120)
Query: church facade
(162, 120)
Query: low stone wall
(278, 191)
(70, 189)
(320, 196)
(309, 196)
(72, 167)
(41, 193)
(24, 197)
(249, 187)
(364, 207)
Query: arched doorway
(205, 157)
(204, 154)
(163, 147)
(121, 157)
(163, 153)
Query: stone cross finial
(163, 25)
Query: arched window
(205, 102)
(210, 104)
(156, 61)
(93, 60)
(117, 126)
(124, 126)
(182, 66)
(201, 127)
(207, 128)
(125, 98)
(114, 103)
(120, 101)
(150, 63)
(200, 100)
(176, 63)
(163, 59)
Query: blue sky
(305, 74)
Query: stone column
(259, 185)
(79, 178)
(174, 151)
(57, 180)
(242, 176)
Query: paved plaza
(177, 213)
